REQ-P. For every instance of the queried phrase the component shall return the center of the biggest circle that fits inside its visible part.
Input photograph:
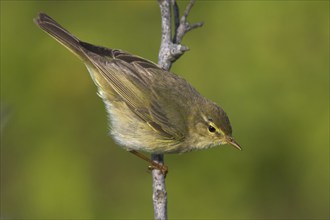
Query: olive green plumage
(150, 109)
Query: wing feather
(130, 81)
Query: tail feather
(60, 34)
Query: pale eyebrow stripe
(216, 127)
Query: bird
(150, 109)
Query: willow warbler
(150, 109)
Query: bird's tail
(60, 34)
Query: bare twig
(176, 13)
(183, 27)
(159, 194)
(170, 51)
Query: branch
(170, 51)
(159, 194)
(183, 26)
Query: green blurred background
(265, 62)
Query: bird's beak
(232, 142)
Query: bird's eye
(212, 129)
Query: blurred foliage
(265, 62)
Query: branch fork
(171, 48)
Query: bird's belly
(132, 133)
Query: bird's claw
(162, 168)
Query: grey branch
(170, 51)
(159, 194)
(182, 27)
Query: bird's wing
(131, 77)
